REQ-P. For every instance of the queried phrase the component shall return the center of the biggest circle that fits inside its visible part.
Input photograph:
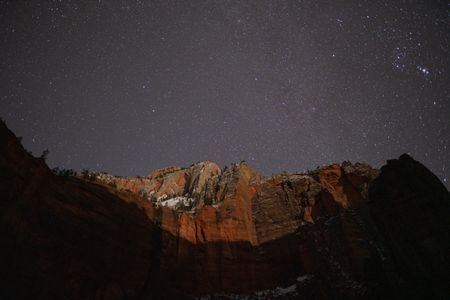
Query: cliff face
(245, 205)
(410, 208)
(199, 231)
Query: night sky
(130, 86)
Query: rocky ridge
(265, 208)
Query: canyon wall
(341, 231)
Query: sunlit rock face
(246, 206)
(342, 231)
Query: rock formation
(342, 231)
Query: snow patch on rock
(304, 278)
(175, 202)
(275, 293)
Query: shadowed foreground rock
(410, 208)
(339, 232)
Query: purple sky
(130, 86)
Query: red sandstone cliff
(182, 233)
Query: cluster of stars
(423, 70)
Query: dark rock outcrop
(410, 208)
(67, 238)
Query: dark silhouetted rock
(411, 210)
